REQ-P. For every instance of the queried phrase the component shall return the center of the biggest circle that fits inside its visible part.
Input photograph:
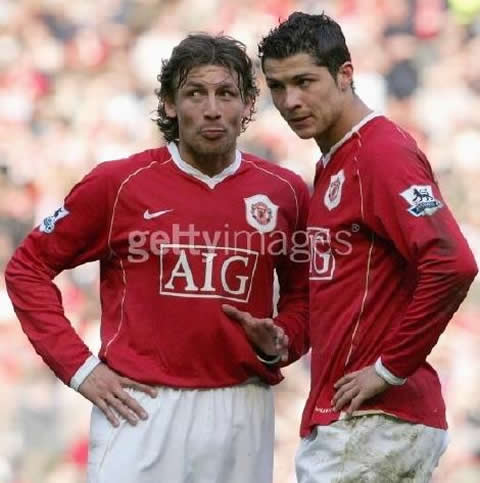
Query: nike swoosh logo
(148, 216)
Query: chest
(337, 233)
(176, 208)
(201, 241)
(337, 201)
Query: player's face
(209, 110)
(306, 94)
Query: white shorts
(370, 449)
(222, 435)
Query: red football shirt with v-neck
(173, 246)
(389, 268)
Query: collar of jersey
(326, 157)
(211, 182)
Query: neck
(352, 113)
(209, 164)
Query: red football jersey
(173, 245)
(389, 267)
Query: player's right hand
(263, 334)
(105, 388)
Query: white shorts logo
(333, 195)
(48, 224)
(421, 200)
(261, 213)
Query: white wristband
(385, 374)
(83, 371)
(269, 362)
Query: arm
(404, 205)
(75, 234)
(284, 338)
(409, 209)
(293, 310)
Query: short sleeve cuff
(84, 370)
(385, 374)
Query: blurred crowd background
(76, 88)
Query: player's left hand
(263, 334)
(355, 388)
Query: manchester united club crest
(261, 213)
(333, 195)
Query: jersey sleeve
(76, 233)
(404, 206)
(292, 272)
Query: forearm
(437, 297)
(295, 325)
(37, 303)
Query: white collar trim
(326, 157)
(211, 182)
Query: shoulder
(274, 172)
(386, 149)
(115, 172)
(384, 138)
(118, 170)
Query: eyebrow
(197, 84)
(294, 78)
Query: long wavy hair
(197, 50)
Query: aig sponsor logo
(325, 248)
(322, 260)
(200, 271)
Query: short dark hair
(196, 50)
(302, 33)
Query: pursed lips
(298, 118)
(213, 129)
(212, 132)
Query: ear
(345, 76)
(170, 108)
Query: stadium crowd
(76, 88)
